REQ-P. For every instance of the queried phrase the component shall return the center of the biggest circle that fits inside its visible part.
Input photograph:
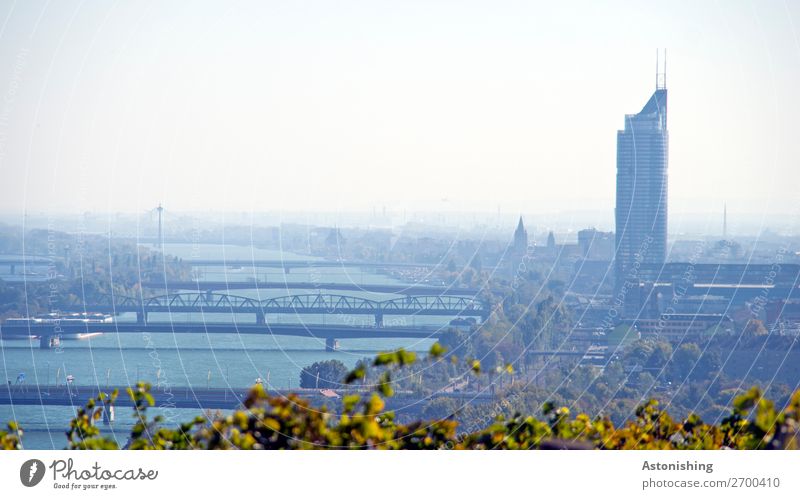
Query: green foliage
(82, 432)
(476, 366)
(437, 350)
(360, 372)
(290, 422)
(754, 327)
(686, 358)
(324, 374)
(649, 353)
(10, 438)
(399, 358)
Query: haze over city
(419, 106)
(414, 225)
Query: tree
(440, 408)
(754, 327)
(323, 374)
(708, 365)
(644, 381)
(662, 352)
(685, 360)
(648, 353)
(457, 342)
(475, 263)
(638, 352)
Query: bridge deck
(304, 263)
(304, 330)
(185, 397)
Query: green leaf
(349, 402)
(437, 350)
(356, 374)
(476, 366)
(385, 385)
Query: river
(196, 359)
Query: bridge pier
(260, 319)
(379, 319)
(46, 342)
(108, 414)
(141, 317)
(331, 344)
(13, 269)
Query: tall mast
(160, 210)
(725, 222)
(661, 71)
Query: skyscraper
(641, 210)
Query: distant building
(641, 205)
(520, 239)
(517, 250)
(592, 276)
(592, 272)
(559, 254)
(783, 316)
(596, 245)
(334, 238)
(678, 327)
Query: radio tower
(725, 222)
(160, 211)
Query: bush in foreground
(268, 422)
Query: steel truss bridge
(400, 289)
(307, 304)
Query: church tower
(520, 239)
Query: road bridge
(48, 330)
(13, 261)
(287, 265)
(197, 398)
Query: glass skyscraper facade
(641, 209)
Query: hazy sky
(117, 106)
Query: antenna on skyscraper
(661, 76)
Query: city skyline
(368, 225)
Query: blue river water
(190, 359)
